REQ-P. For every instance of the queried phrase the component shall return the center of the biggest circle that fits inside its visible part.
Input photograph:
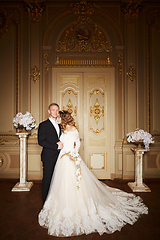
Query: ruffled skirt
(94, 207)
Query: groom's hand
(60, 145)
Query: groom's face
(53, 112)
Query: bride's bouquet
(24, 121)
(140, 135)
(74, 156)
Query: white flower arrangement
(140, 135)
(74, 156)
(24, 120)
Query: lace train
(94, 207)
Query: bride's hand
(60, 145)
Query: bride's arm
(77, 142)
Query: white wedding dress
(78, 203)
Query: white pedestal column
(23, 185)
(138, 185)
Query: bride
(78, 203)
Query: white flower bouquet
(140, 135)
(74, 156)
(24, 121)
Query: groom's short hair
(53, 104)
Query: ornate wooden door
(88, 93)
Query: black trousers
(48, 169)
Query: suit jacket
(48, 138)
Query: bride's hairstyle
(66, 118)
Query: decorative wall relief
(96, 111)
(70, 101)
(35, 74)
(120, 65)
(131, 10)
(131, 73)
(1, 161)
(94, 80)
(83, 8)
(74, 79)
(7, 17)
(97, 165)
(35, 10)
(82, 36)
(46, 62)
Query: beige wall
(27, 41)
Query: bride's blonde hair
(66, 119)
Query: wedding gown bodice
(71, 141)
(78, 203)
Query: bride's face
(58, 119)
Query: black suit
(48, 138)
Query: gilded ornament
(35, 74)
(6, 19)
(82, 36)
(97, 111)
(35, 10)
(69, 106)
(46, 62)
(154, 17)
(83, 8)
(1, 161)
(3, 141)
(131, 10)
(120, 64)
(131, 73)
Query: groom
(48, 137)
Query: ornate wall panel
(7, 79)
(96, 120)
(153, 73)
(97, 165)
(69, 100)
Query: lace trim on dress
(90, 217)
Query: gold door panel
(86, 93)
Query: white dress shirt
(55, 124)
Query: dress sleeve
(77, 142)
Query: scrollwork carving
(82, 36)
(131, 73)
(35, 74)
(35, 10)
(154, 17)
(131, 10)
(7, 16)
(1, 161)
(83, 8)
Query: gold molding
(104, 162)
(120, 64)
(97, 111)
(68, 12)
(154, 17)
(131, 73)
(35, 74)
(1, 161)
(131, 10)
(46, 62)
(35, 10)
(82, 36)
(83, 8)
(69, 106)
